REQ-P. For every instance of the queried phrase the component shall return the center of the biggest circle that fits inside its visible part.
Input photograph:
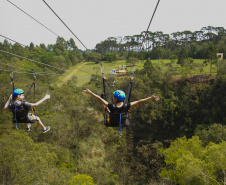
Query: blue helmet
(16, 92)
(120, 95)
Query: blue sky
(93, 21)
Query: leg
(40, 123)
(27, 125)
(45, 129)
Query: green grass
(84, 73)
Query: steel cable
(33, 60)
(150, 22)
(33, 18)
(71, 31)
(13, 40)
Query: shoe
(28, 127)
(46, 130)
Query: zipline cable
(71, 31)
(27, 69)
(32, 60)
(14, 71)
(13, 40)
(45, 74)
(33, 18)
(15, 66)
(150, 22)
(39, 72)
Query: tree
(159, 53)
(173, 58)
(25, 162)
(71, 44)
(92, 57)
(215, 133)
(183, 55)
(18, 49)
(148, 67)
(211, 54)
(61, 44)
(109, 57)
(31, 46)
(82, 179)
(187, 162)
(147, 162)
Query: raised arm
(87, 91)
(7, 103)
(153, 97)
(47, 96)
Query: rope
(33, 18)
(150, 22)
(12, 40)
(32, 60)
(71, 31)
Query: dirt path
(69, 76)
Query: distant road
(70, 75)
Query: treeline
(178, 140)
(158, 45)
(63, 54)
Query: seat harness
(105, 85)
(13, 98)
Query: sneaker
(28, 127)
(46, 130)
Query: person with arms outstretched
(118, 111)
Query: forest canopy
(177, 140)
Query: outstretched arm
(7, 103)
(153, 97)
(47, 96)
(87, 91)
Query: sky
(93, 21)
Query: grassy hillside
(83, 71)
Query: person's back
(118, 114)
(113, 111)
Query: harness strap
(120, 132)
(130, 86)
(106, 85)
(31, 85)
(15, 116)
(11, 83)
(129, 91)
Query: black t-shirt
(22, 109)
(115, 114)
(121, 109)
(18, 104)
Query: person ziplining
(21, 108)
(117, 113)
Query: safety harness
(20, 112)
(124, 114)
